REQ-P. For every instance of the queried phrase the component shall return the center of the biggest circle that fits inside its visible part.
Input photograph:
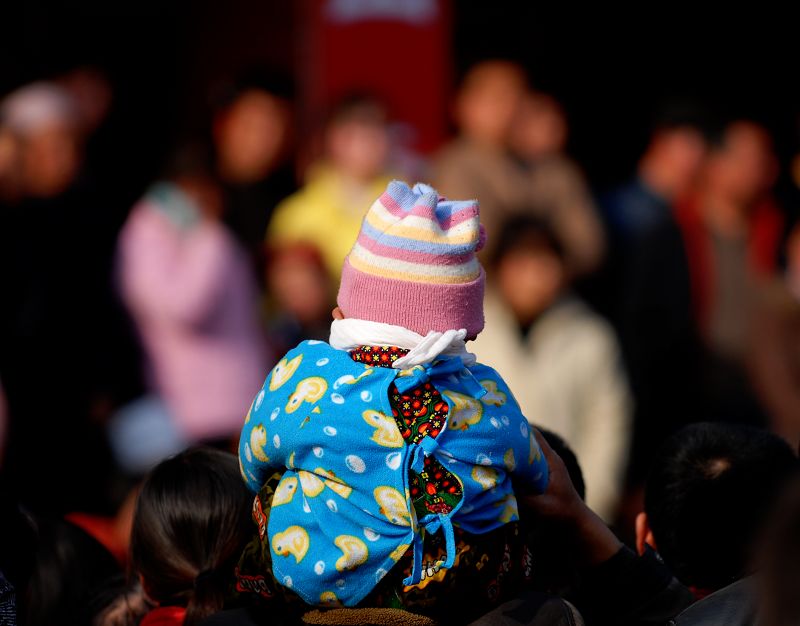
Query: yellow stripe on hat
(365, 266)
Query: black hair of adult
(70, 574)
(190, 157)
(191, 522)
(526, 232)
(359, 107)
(679, 113)
(270, 80)
(707, 495)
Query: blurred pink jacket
(194, 301)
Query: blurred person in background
(477, 163)
(644, 283)
(253, 138)
(302, 294)
(191, 292)
(561, 359)
(558, 189)
(774, 347)
(57, 298)
(690, 290)
(327, 212)
(666, 172)
(731, 229)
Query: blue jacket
(342, 516)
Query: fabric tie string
(448, 372)
(431, 524)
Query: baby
(396, 448)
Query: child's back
(394, 445)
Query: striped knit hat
(414, 265)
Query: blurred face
(49, 160)
(251, 135)
(300, 286)
(489, 102)
(745, 166)
(358, 148)
(530, 280)
(539, 127)
(682, 151)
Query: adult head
(706, 498)
(528, 267)
(488, 101)
(741, 166)
(44, 120)
(540, 127)
(252, 130)
(191, 522)
(675, 151)
(356, 138)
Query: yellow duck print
(392, 505)
(386, 433)
(308, 390)
(486, 477)
(399, 551)
(510, 510)
(464, 411)
(283, 371)
(509, 461)
(292, 541)
(354, 552)
(535, 454)
(493, 396)
(334, 483)
(312, 485)
(329, 598)
(285, 491)
(258, 439)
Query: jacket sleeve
(532, 466)
(254, 460)
(524, 459)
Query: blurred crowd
(138, 324)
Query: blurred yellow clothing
(326, 213)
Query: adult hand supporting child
(560, 502)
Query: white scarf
(348, 334)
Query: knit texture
(418, 249)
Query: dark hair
(191, 523)
(706, 497)
(270, 80)
(525, 232)
(677, 113)
(70, 573)
(358, 107)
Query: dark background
(610, 68)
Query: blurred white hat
(36, 106)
